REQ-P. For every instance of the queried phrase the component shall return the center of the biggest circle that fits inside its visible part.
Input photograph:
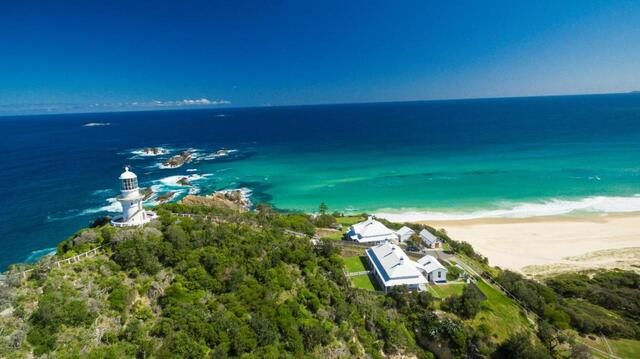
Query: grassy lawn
(365, 281)
(349, 220)
(500, 314)
(333, 235)
(625, 348)
(447, 290)
(355, 264)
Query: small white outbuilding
(405, 233)
(432, 269)
(429, 240)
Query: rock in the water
(178, 160)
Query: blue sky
(61, 56)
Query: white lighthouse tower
(133, 212)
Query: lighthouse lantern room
(132, 201)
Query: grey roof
(371, 231)
(430, 264)
(405, 230)
(393, 265)
(427, 237)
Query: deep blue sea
(516, 157)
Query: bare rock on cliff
(233, 199)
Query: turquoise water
(516, 157)
(405, 179)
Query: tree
(100, 221)
(580, 351)
(551, 338)
(265, 211)
(323, 208)
(466, 305)
(324, 220)
(520, 346)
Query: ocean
(511, 157)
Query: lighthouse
(133, 212)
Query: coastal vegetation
(210, 281)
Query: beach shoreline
(540, 246)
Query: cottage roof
(371, 230)
(405, 231)
(393, 265)
(430, 264)
(427, 237)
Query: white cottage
(392, 267)
(405, 233)
(371, 231)
(432, 269)
(429, 240)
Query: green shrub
(467, 305)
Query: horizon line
(212, 107)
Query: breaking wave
(36, 255)
(113, 207)
(553, 207)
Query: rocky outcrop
(179, 160)
(166, 197)
(184, 181)
(230, 199)
(146, 192)
(154, 151)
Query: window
(129, 184)
(439, 274)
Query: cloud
(179, 103)
(43, 108)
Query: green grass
(335, 236)
(355, 264)
(365, 281)
(592, 309)
(349, 220)
(447, 290)
(625, 348)
(500, 313)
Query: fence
(57, 264)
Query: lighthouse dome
(127, 174)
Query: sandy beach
(545, 245)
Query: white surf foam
(553, 207)
(219, 154)
(36, 255)
(113, 207)
(172, 181)
(142, 153)
(100, 192)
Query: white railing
(59, 263)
